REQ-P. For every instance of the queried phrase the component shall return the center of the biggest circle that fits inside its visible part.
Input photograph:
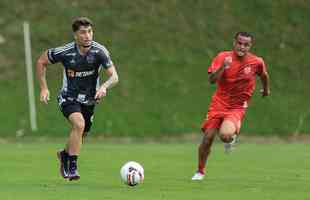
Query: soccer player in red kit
(235, 73)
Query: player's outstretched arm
(112, 80)
(42, 62)
(264, 77)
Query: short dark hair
(245, 34)
(81, 21)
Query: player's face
(84, 36)
(242, 45)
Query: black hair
(80, 21)
(245, 34)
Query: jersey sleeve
(216, 63)
(55, 54)
(105, 59)
(261, 68)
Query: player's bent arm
(264, 77)
(214, 76)
(42, 62)
(112, 80)
(113, 77)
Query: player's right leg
(204, 150)
(72, 111)
(230, 128)
(228, 147)
(227, 134)
(227, 130)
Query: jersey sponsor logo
(247, 70)
(71, 73)
(84, 73)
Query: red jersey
(237, 83)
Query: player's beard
(87, 44)
(241, 53)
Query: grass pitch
(29, 171)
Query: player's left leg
(88, 114)
(209, 127)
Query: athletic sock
(201, 168)
(66, 153)
(65, 156)
(202, 162)
(201, 165)
(73, 162)
(65, 159)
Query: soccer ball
(132, 173)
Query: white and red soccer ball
(132, 173)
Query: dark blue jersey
(80, 78)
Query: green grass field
(28, 171)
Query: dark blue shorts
(68, 107)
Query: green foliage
(162, 50)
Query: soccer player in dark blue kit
(82, 60)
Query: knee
(226, 137)
(79, 126)
(207, 140)
(227, 131)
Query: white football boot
(228, 147)
(198, 176)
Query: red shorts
(214, 119)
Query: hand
(265, 93)
(44, 95)
(101, 92)
(227, 61)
